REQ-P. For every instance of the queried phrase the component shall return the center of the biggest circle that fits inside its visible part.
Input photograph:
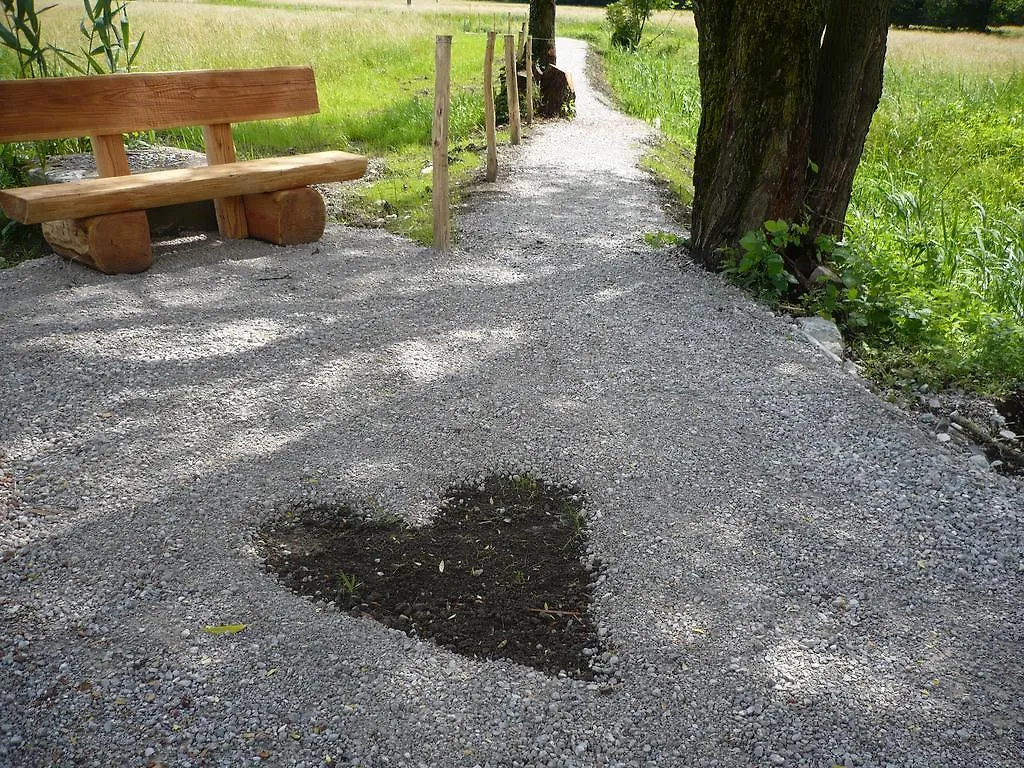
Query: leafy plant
(109, 46)
(525, 486)
(21, 33)
(18, 242)
(105, 27)
(760, 267)
(662, 239)
(348, 584)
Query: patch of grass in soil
(498, 574)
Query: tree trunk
(542, 31)
(848, 90)
(788, 89)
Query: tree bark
(847, 94)
(542, 32)
(788, 89)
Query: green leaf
(751, 240)
(135, 51)
(8, 38)
(224, 629)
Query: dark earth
(500, 573)
(1012, 409)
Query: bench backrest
(59, 108)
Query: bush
(1007, 12)
(627, 19)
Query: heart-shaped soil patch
(499, 573)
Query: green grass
(936, 225)
(374, 70)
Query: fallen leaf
(224, 629)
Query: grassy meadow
(936, 225)
(936, 228)
(374, 71)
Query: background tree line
(950, 14)
(956, 14)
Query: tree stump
(557, 94)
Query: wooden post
(220, 148)
(512, 90)
(442, 103)
(492, 142)
(529, 80)
(111, 158)
(519, 41)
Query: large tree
(788, 90)
(542, 30)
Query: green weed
(348, 584)
(662, 239)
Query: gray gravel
(797, 574)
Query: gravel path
(796, 573)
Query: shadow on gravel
(499, 573)
(384, 365)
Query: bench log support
(288, 217)
(114, 243)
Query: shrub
(627, 19)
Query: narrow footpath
(795, 573)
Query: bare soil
(498, 574)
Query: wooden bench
(102, 221)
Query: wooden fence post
(512, 90)
(529, 80)
(442, 105)
(492, 142)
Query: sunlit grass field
(937, 219)
(374, 71)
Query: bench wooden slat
(59, 108)
(93, 197)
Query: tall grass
(936, 224)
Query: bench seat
(117, 194)
(103, 222)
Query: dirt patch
(500, 573)
(1012, 409)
